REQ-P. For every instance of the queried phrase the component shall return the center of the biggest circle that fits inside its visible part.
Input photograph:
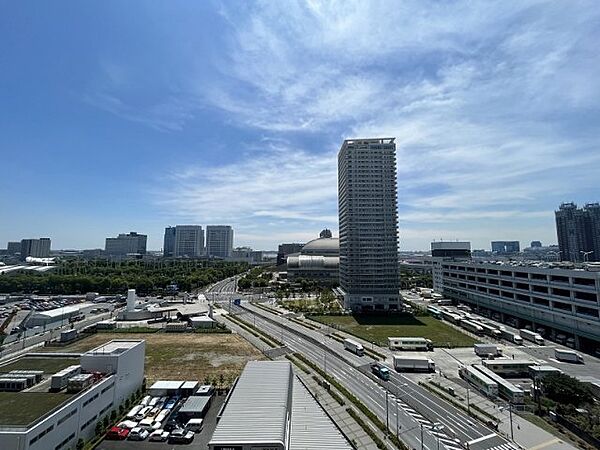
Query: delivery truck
(531, 336)
(354, 347)
(568, 356)
(512, 337)
(413, 364)
(486, 350)
(381, 371)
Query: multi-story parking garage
(565, 302)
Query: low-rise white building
(45, 420)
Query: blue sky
(119, 116)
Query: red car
(117, 434)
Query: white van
(194, 425)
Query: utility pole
(512, 436)
(421, 435)
(397, 424)
(387, 416)
(468, 403)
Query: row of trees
(106, 277)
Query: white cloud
(494, 106)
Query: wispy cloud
(494, 106)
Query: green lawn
(22, 408)
(377, 328)
(48, 365)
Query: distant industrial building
(535, 244)
(13, 248)
(184, 241)
(270, 408)
(287, 249)
(318, 259)
(506, 247)
(105, 377)
(450, 249)
(443, 251)
(565, 302)
(36, 248)
(126, 244)
(219, 241)
(246, 254)
(368, 223)
(578, 231)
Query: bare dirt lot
(183, 356)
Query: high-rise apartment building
(578, 231)
(12, 248)
(36, 248)
(189, 241)
(125, 244)
(169, 242)
(219, 241)
(368, 222)
(184, 241)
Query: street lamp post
(585, 255)
(468, 403)
(421, 435)
(387, 417)
(512, 436)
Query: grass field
(22, 408)
(48, 365)
(376, 328)
(183, 356)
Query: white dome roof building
(319, 259)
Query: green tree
(99, 428)
(565, 389)
(113, 416)
(80, 444)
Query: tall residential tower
(219, 241)
(578, 231)
(368, 222)
(184, 241)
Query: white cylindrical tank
(130, 299)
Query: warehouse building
(270, 408)
(561, 300)
(57, 420)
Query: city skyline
(224, 123)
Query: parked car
(181, 436)
(117, 434)
(159, 436)
(138, 434)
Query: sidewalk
(526, 434)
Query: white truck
(511, 337)
(568, 356)
(413, 364)
(531, 336)
(486, 350)
(354, 347)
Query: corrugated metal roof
(259, 407)
(311, 428)
(194, 404)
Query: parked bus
(479, 380)
(489, 330)
(435, 312)
(451, 317)
(531, 336)
(472, 327)
(509, 367)
(506, 389)
(410, 343)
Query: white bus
(509, 367)
(483, 383)
(410, 343)
(506, 389)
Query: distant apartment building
(578, 231)
(36, 248)
(184, 241)
(246, 254)
(13, 248)
(285, 250)
(126, 244)
(219, 241)
(563, 303)
(505, 247)
(368, 224)
(536, 244)
(169, 242)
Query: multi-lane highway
(416, 406)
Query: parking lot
(200, 441)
